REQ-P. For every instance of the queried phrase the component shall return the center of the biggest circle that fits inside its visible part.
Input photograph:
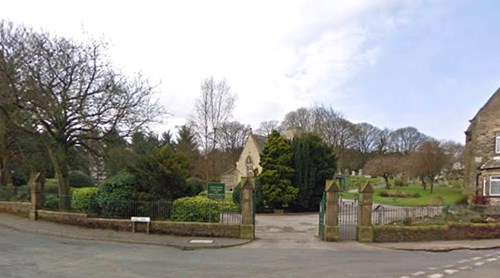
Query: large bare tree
(214, 107)
(74, 95)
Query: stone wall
(388, 233)
(159, 227)
(16, 208)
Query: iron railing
(385, 214)
(15, 193)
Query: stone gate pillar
(332, 231)
(247, 227)
(365, 228)
(36, 182)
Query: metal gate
(321, 226)
(348, 219)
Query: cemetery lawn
(442, 195)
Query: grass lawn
(442, 195)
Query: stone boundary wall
(157, 227)
(17, 208)
(436, 232)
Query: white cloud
(276, 55)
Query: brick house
(482, 154)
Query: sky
(430, 64)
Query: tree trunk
(4, 171)
(59, 158)
(386, 179)
(424, 185)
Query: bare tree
(427, 162)
(214, 107)
(267, 127)
(383, 142)
(74, 96)
(385, 166)
(406, 139)
(233, 136)
(302, 118)
(366, 137)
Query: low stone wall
(196, 229)
(157, 227)
(436, 232)
(70, 218)
(17, 208)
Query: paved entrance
(287, 228)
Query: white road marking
(465, 268)
(449, 266)
(432, 268)
(206, 241)
(492, 260)
(418, 273)
(476, 258)
(437, 275)
(450, 271)
(489, 255)
(479, 264)
(463, 261)
(404, 277)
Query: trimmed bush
(83, 197)
(115, 195)
(79, 179)
(398, 194)
(196, 209)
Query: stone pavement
(268, 236)
(74, 232)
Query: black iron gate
(348, 219)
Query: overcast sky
(393, 63)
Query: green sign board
(216, 190)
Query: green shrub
(237, 194)
(203, 193)
(51, 186)
(400, 181)
(194, 186)
(51, 202)
(19, 178)
(196, 209)
(116, 194)
(82, 198)
(79, 179)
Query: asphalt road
(34, 255)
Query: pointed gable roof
(488, 103)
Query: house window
(497, 142)
(495, 186)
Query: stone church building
(482, 154)
(248, 162)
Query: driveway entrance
(298, 228)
